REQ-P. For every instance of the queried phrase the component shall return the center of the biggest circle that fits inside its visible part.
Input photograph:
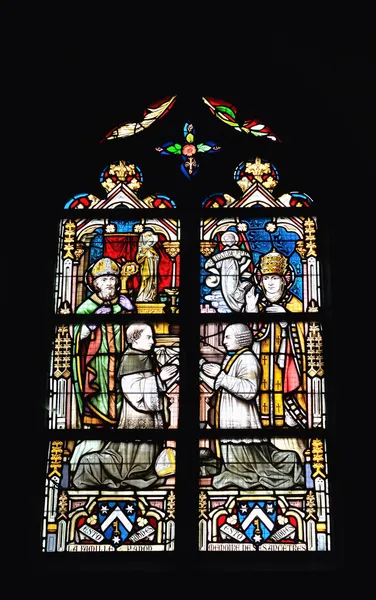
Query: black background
(73, 77)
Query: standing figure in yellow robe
(148, 259)
(281, 344)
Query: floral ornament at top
(121, 172)
(256, 170)
(122, 181)
(227, 112)
(188, 150)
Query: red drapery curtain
(123, 247)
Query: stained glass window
(187, 397)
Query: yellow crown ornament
(273, 262)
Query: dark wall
(73, 85)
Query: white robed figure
(228, 269)
(248, 463)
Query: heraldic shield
(257, 518)
(117, 519)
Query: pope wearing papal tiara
(279, 344)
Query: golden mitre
(273, 262)
(105, 266)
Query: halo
(88, 277)
(233, 234)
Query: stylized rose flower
(189, 150)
